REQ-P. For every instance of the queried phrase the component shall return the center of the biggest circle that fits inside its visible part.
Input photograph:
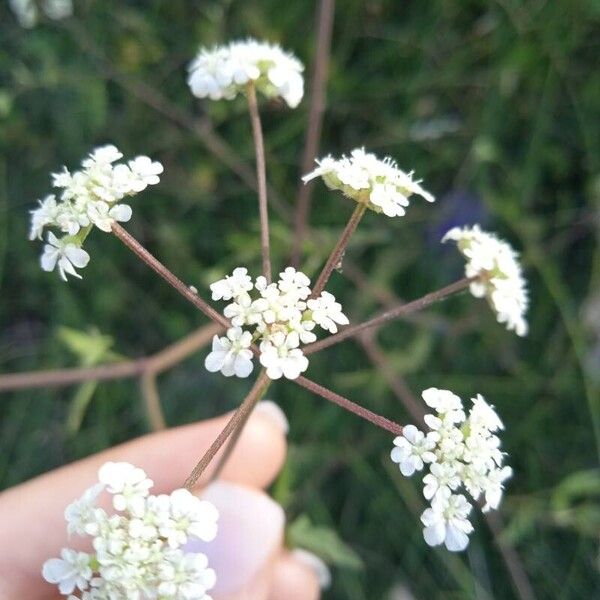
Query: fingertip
(294, 579)
(251, 528)
(261, 450)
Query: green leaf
(576, 489)
(91, 347)
(324, 542)
(78, 406)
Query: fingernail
(272, 411)
(250, 533)
(313, 562)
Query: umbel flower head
(279, 316)
(224, 71)
(459, 451)
(139, 551)
(90, 197)
(498, 274)
(379, 184)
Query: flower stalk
(350, 406)
(390, 315)
(237, 421)
(338, 252)
(261, 177)
(167, 275)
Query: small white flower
(231, 354)
(285, 360)
(442, 477)
(71, 571)
(224, 72)
(495, 486)
(103, 155)
(42, 216)
(82, 515)
(379, 184)
(446, 522)
(146, 172)
(412, 450)
(499, 276)
(326, 312)
(484, 416)
(189, 517)
(102, 215)
(129, 484)
(185, 577)
(294, 283)
(238, 283)
(65, 254)
(444, 402)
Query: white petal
(214, 361)
(435, 534)
(79, 257)
(456, 540)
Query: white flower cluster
(224, 71)
(379, 184)
(91, 196)
(27, 11)
(499, 276)
(281, 316)
(460, 451)
(138, 552)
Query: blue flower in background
(456, 209)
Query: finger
(296, 577)
(34, 511)
(247, 553)
(250, 537)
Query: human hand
(248, 553)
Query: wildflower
(139, 552)
(71, 571)
(412, 450)
(82, 515)
(499, 278)
(283, 360)
(189, 518)
(231, 354)
(278, 316)
(64, 253)
(446, 522)
(460, 450)
(494, 487)
(326, 312)
(442, 477)
(379, 184)
(129, 484)
(232, 286)
(185, 576)
(224, 71)
(90, 197)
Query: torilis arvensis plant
(140, 550)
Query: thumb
(246, 554)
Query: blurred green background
(494, 104)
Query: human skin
(248, 553)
